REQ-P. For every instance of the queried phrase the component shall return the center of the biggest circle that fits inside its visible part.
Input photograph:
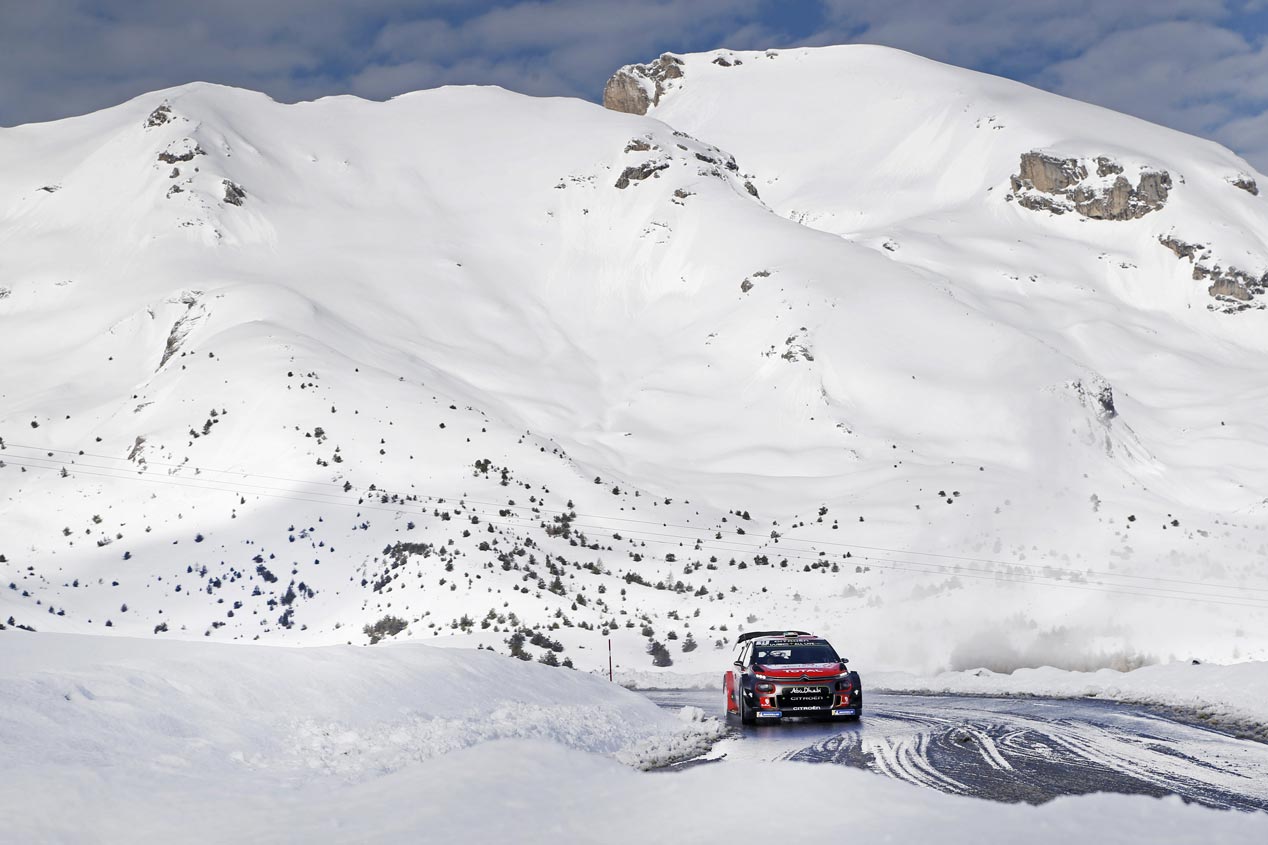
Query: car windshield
(784, 655)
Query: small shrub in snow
(660, 654)
(388, 626)
(516, 642)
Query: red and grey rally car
(791, 673)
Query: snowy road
(1012, 749)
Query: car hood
(796, 671)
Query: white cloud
(1184, 63)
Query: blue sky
(1196, 65)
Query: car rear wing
(753, 635)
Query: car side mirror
(843, 662)
(739, 663)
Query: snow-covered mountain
(957, 371)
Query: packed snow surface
(125, 740)
(1234, 696)
(799, 348)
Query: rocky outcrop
(1047, 183)
(1048, 174)
(169, 157)
(194, 312)
(1231, 284)
(648, 159)
(748, 284)
(635, 88)
(1182, 249)
(1107, 166)
(234, 195)
(1097, 395)
(796, 347)
(725, 161)
(159, 116)
(639, 172)
(1247, 184)
(1233, 289)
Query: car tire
(746, 715)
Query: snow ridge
(527, 374)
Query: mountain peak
(540, 356)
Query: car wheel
(746, 714)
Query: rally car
(783, 674)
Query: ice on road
(1014, 749)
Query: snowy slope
(123, 740)
(914, 159)
(770, 355)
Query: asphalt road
(1011, 749)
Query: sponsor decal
(768, 713)
(808, 690)
(802, 667)
(845, 711)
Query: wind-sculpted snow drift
(794, 346)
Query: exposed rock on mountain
(635, 88)
(639, 172)
(705, 160)
(188, 149)
(1235, 289)
(159, 116)
(1047, 183)
(1097, 394)
(234, 195)
(1247, 184)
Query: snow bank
(648, 680)
(1233, 696)
(249, 713)
(119, 740)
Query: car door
(740, 672)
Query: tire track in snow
(1021, 750)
